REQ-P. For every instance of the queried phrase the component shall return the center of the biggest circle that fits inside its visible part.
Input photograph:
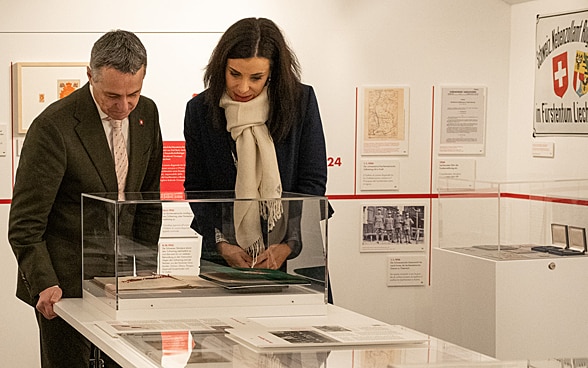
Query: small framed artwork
(577, 238)
(559, 235)
(38, 84)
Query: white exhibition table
(515, 304)
(84, 316)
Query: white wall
(342, 45)
(19, 334)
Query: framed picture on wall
(35, 85)
(463, 120)
(383, 113)
(393, 227)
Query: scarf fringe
(271, 211)
(255, 249)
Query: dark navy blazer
(210, 164)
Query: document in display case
(251, 279)
(122, 254)
(263, 337)
(190, 349)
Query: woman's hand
(234, 255)
(273, 257)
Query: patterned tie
(119, 151)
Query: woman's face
(246, 77)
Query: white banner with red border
(561, 74)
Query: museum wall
(343, 45)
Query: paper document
(326, 335)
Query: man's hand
(273, 256)
(47, 298)
(234, 255)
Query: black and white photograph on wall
(393, 228)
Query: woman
(255, 119)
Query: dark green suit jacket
(65, 154)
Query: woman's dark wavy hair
(257, 37)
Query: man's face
(116, 93)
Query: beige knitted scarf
(258, 176)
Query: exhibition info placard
(561, 74)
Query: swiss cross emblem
(560, 74)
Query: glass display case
(189, 349)
(174, 254)
(509, 254)
(521, 219)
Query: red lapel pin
(141, 123)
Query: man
(67, 152)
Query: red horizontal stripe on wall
(381, 196)
(579, 202)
